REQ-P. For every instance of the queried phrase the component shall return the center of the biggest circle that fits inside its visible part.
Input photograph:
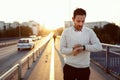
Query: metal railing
(108, 59)
(18, 71)
(7, 43)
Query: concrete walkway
(99, 74)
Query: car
(25, 43)
(39, 37)
(33, 37)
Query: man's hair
(79, 11)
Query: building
(7, 25)
(99, 24)
(24, 24)
(68, 24)
(2, 25)
(32, 24)
(14, 24)
(35, 27)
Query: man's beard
(79, 28)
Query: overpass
(47, 64)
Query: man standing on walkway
(76, 43)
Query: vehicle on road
(25, 43)
(33, 37)
(39, 37)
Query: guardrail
(18, 71)
(108, 59)
(6, 43)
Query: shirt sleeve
(63, 45)
(95, 44)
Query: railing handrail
(9, 71)
(110, 45)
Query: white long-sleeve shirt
(86, 37)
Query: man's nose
(80, 23)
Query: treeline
(20, 31)
(110, 33)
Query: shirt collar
(77, 30)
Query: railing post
(37, 53)
(28, 60)
(20, 71)
(33, 56)
(107, 59)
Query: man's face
(79, 21)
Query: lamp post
(19, 31)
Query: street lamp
(19, 31)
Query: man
(76, 43)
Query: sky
(53, 13)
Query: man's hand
(76, 46)
(77, 49)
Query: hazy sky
(54, 12)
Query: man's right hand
(76, 46)
(77, 49)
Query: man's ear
(73, 18)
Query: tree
(25, 31)
(11, 32)
(110, 33)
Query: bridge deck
(39, 71)
(96, 74)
